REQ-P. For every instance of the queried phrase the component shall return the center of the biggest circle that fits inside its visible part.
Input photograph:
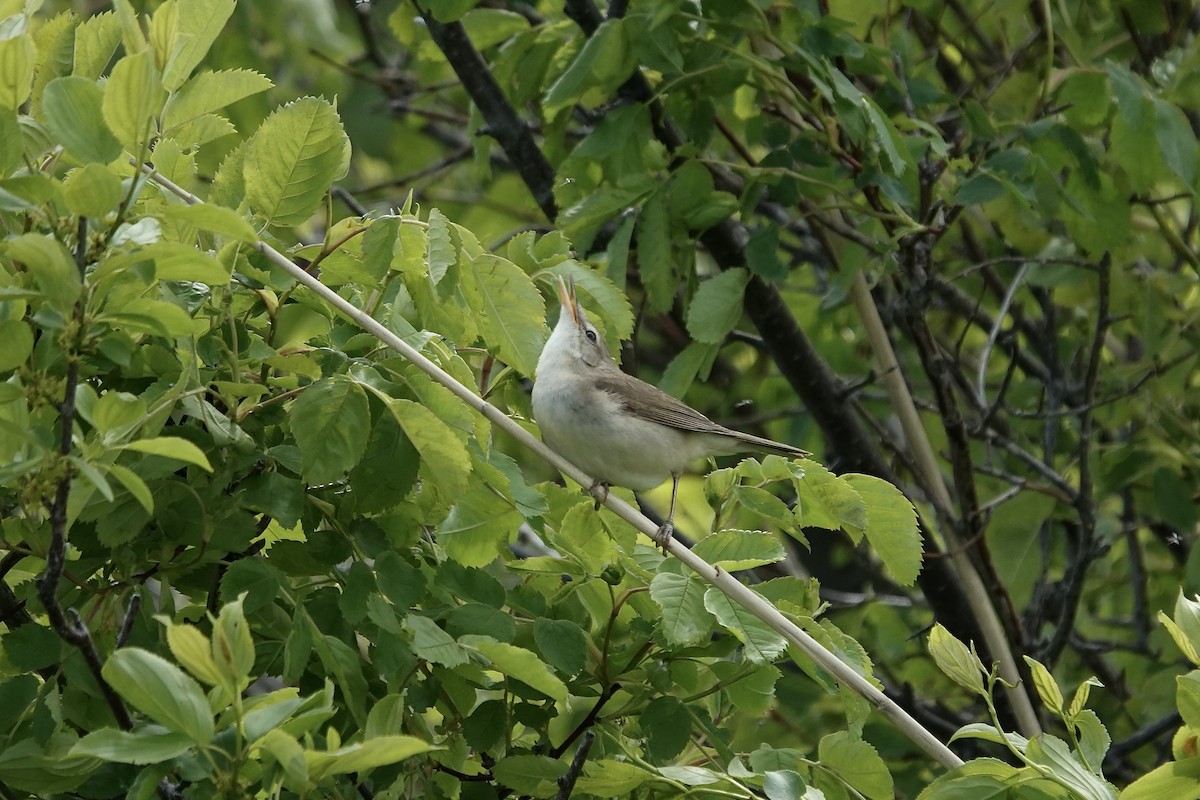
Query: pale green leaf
(133, 96)
(217, 219)
(891, 526)
(134, 485)
(1177, 779)
(443, 454)
(211, 91)
(161, 691)
(685, 620)
(365, 756)
(199, 24)
(96, 39)
(956, 660)
(510, 310)
(1047, 687)
(51, 265)
(150, 745)
(171, 447)
(73, 116)
(292, 160)
(17, 59)
(762, 644)
(734, 550)
(480, 525)
(92, 191)
(605, 61)
(519, 663)
(857, 763)
(193, 650)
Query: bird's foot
(664, 534)
(599, 492)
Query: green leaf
(18, 57)
(563, 644)
(133, 96)
(1173, 499)
(232, 646)
(510, 311)
(193, 650)
(762, 644)
(200, 22)
(134, 485)
(287, 753)
(529, 774)
(211, 91)
(668, 727)
(783, 785)
(18, 343)
(953, 658)
(605, 61)
(857, 763)
(685, 620)
(717, 306)
(364, 756)
(736, 550)
(891, 526)
(331, 421)
(217, 219)
(293, 158)
(433, 644)
(1047, 687)
(161, 691)
(886, 137)
(146, 746)
(96, 39)
(442, 452)
(1176, 141)
(176, 261)
(52, 266)
(610, 777)
(519, 663)
(1177, 779)
(824, 500)
(171, 447)
(400, 582)
(92, 191)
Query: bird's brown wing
(651, 403)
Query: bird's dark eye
(591, 335)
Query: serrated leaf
(332, 422)
(563, 644)
(891, 526)
(717, 306)
(1047, 687)
(735, 549)
(200, 22)
(823, 500)
(292, 160)
(510, 311)
(605, 61)
(857, 763)
(519, 663)
(161, 691)
(685, 620)
(762, 644)
(96, 39)
(211, 91)
(442, 452)
(133, 96)
(134, 485)
(193, 650)
(480, 524)
(431, 643)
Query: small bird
(621, 430)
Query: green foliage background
(232, 484)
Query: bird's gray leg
(667, 529)
(599, 492)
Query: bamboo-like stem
(931, 478)
(734, 589)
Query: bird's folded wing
(653, 404)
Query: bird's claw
(599, 492)
(664, 534)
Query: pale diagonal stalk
(931, 478)
(735, 590)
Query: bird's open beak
(566, 296)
